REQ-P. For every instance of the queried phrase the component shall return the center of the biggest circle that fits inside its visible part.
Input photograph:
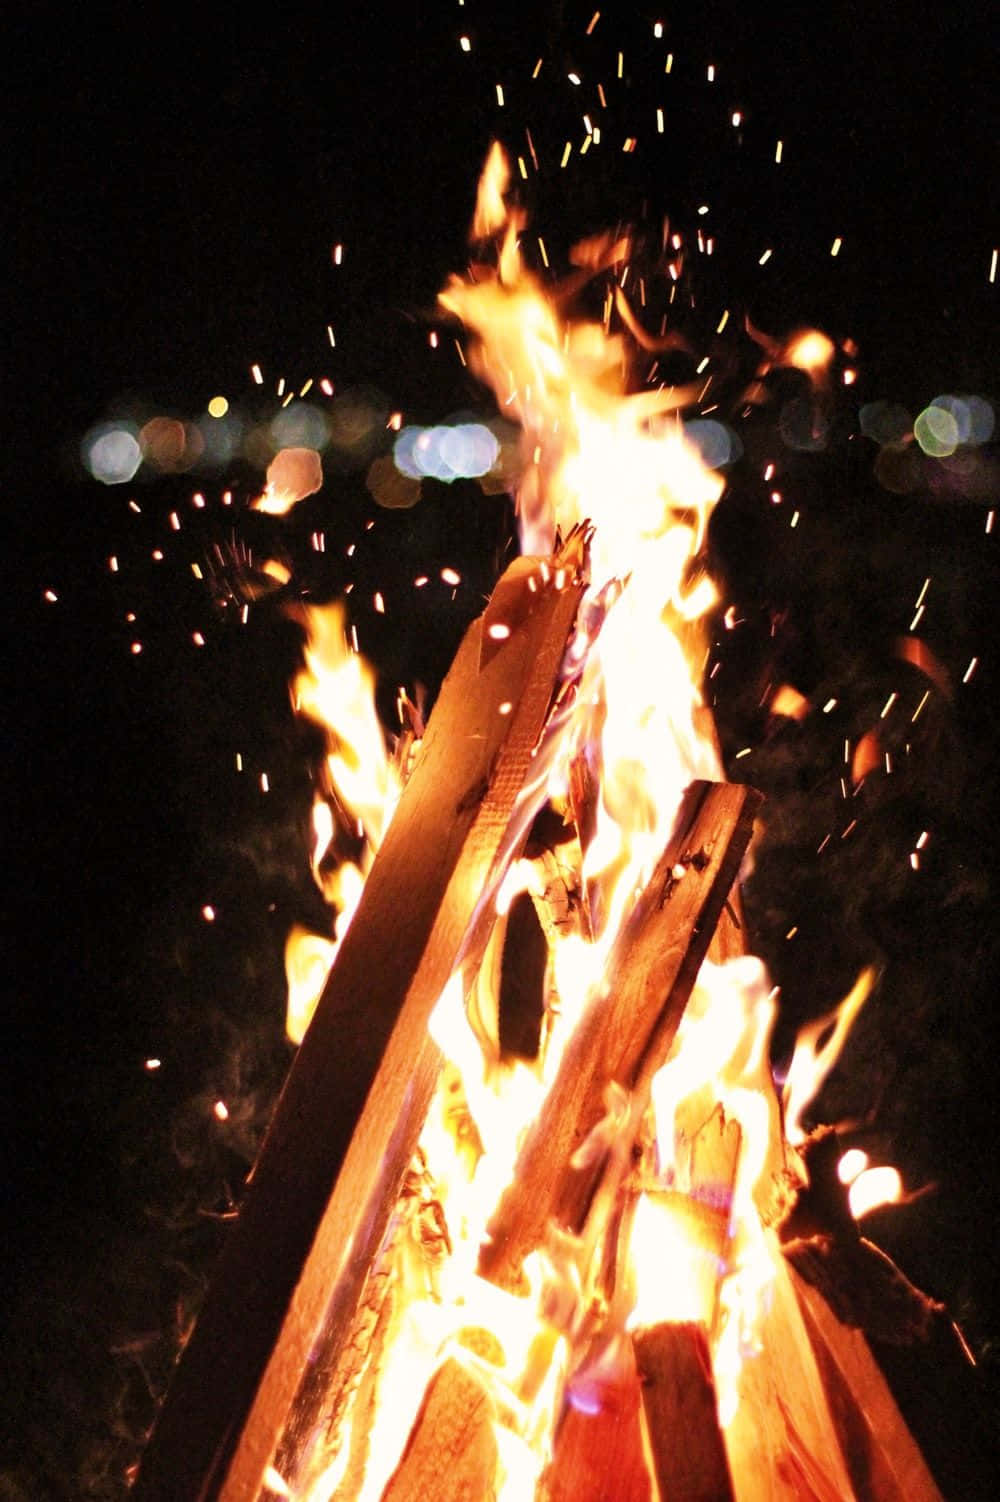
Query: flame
(308, 961)
(813, 1060)
(690, 1243)
(336, 689)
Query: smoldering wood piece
(883, 1459)
(861, 1284)
(627, 1029)
(451, 1454)
(598, 1451)
(679, 1403)
(343, 1133)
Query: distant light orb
(292, 475)
(357, 420)
(301, 426)
(803, 426)
(897, 468)
(885, 422)
(218, 406)
(958, 407)
(402, 452)
(170, 445)
(428, 454)
(111, 453)
(221, 437)
(717, 444)
(390, 486)
(447, 452)
(936, 431)
(981, 419)
(469, 449)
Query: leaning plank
(679, 1404)
(626, 1032)
(883, 1458)
(319, 1198)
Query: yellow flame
(812, 1061)
(593, 451)
(308, 959)
(337, 690)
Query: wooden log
(782, 1443)
(883, 1459)
(598, 1454)
(351, 1110)
(626, 1032)
(679, 1404)
(451, 1455)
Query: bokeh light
(169, 445)
(111, 452)
(885, 422)
(981, 419)
(221, 438)
(218, 407)
(292, 474)
(937, 432)
(897, 468)
(803, 426)
(390, 487)
(459, 451)
(357, 422)
(301, 426)
(717, 444)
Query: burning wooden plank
(599, 1449)
(626, 1033)
(452, 1454)
(352, 1108)
(679, 1403)
(884, 1461)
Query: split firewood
(343, 1134)
(679, 1405)
(882, 1456)
(598, 1453)
(451, 1455)
(781, 1441)
(625, 1034)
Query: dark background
(173, 186)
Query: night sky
(175, 189)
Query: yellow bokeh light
(218, 406)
